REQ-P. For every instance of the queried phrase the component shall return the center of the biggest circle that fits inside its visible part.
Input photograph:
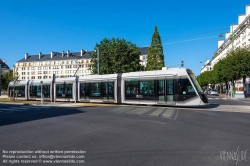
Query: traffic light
(182, 63)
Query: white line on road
(168, 113)
(6, 109)
(139, 111)
(157, 112)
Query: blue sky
(189, 29)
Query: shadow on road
(13, 117)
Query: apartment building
(64, 64)
(4, 67)
(239, 36)
(144, 56)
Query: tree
(116, 56)
(220, 74)
(155, 53)
(206, 78)
(6, 79)
(238, 65)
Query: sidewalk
(3, 96)
(229, 97)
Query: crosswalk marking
(145, 111)
(121, 109)
(21, 108)
(157, 112)
(168, 113)
(5, 109)
(217, 98)
(139, 111)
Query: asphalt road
(225, 101)
(128, 135)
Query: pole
(232, 92)
(0, 79)
(98, 60)
(232, 38)
(41, 92)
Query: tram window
(131, 87)
(147, 87)
(19, 91)
(84, 88)
(35, 91)
(170, 85)
(64, 90)
(95, 89)
(185, 87)
(161, 87)
(111, 90)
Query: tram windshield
(195, 82)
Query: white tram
(174, 86)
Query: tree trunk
(244, 86)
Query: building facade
(4, 67)
(64, 64)
(144, 56)
(239, 36)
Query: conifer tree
(155, 53)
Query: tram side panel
(36, 88)
(18, 90)
(96, 89)
(64, 89)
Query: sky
(189, 29)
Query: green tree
(220, 74)
(238, 65)
(155, 53)
(6, 79)
(116, 56)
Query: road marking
(168, 113)
(6, 109)
(154, 121)
(122, 109)
(157, 112)
(18, 108)
(139, 111)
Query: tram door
(166, 90)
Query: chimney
(62, 53)
(51, 54)
(68, 52)
(26, 56)
(40, 55)
(82, 52)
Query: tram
(170, 87)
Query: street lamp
(41, 92)
(98, 60)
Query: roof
(144, 50)
(58, 56)
(3, 64)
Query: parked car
(215, 93)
